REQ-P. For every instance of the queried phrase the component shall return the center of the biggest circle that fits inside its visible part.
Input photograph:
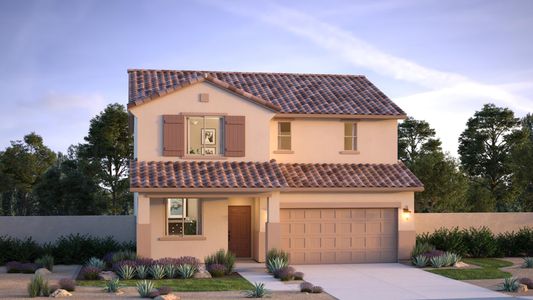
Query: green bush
(524, 241)
(47, 261)
(38, 286)
(444, 239)
(480, 242)
(70, 249)
(221, 257)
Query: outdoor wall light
(406, 213)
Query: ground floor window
(183, 216)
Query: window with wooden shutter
(234, 136)
(173, 135)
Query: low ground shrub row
(70, 249)
(480, 242)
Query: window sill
(205, 157)
(283, 152)
(349, 152)
(182, 238)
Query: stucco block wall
(214, 226)
(497, 222)
(148, 137)
(321, 140)
(45, 229)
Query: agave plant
(141, 271)
(438, 261)
(421, 248)
(95, 262)
(420, 261)
(257, 291)
(186, 271)
(171, 271)
(452, 258)
(157, 271)
(126, 271)
(276, 263)
(111, 286)
(510, 284)
(144, 287)
(528, 262)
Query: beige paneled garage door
(339, 235)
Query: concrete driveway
(390, 281)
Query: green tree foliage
(67, 188)
(415, 138)
(108, 149)
(484, 150)
(22, 164)
(444, 185)
(522, 163)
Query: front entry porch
(200, 224)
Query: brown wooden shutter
(173, 135)
(234, 132)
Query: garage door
(339, 235)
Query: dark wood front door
(239, 230)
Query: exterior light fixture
(406, 213)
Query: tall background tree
(444, 185)
(108, 149)
(484, 151)
(522, 164)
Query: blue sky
(61, 62)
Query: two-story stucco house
(250, 161)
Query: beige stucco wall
(406, 228)
(497, 222)
(148, 120)
(322, 140)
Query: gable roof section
(288, 93)
(269, 175)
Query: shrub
(306, 287)
(19, 249)
(157, 271)
(285, 274)
(38, 286)
(438, 261)
(13, 267)
(510, 284)
(528, 262)
(153, 294)
(216, 270)
(126, 271)
(171, 271)
(257, 291)
(421, 248)
(298, 276)
(274, 253)
(144, 287)
(446, 240)
(90, 273)
(46, 261)
(67, 284)
(524, 241)
(221, 257)
(96, 262)
(112, 286)
(52, 288)
(186, 271)
(143, 261)
(317, 290)
(164, 290)
(28, 268)
(480, 242)
(190, 260)
(527, 281)
(420, 261)
(124, 255)
(433, 253)
(141, 271)
(276, 264)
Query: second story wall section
(201, 121)
(315, 140)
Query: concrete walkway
(373, 281)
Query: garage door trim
(340, 205)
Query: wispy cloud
(447, 93)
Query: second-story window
(284, 135)
(204, 135)
(350, 136)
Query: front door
(239, 230)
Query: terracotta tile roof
(205, 174)
(283, 92)
(216, 174)
(349, 176)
